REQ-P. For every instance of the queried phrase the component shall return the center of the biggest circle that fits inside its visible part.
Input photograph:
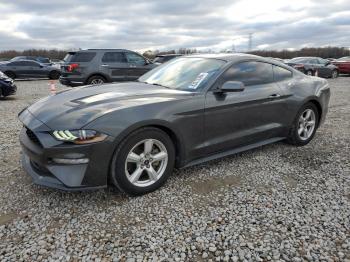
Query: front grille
(32, 137)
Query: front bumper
(39, 149)
(8, 88)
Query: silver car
(29, 69)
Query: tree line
(324, 52)
(50, 53)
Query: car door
(35, 69)
(19, 68)
(235, 119)
(114, 65)
(137, 65)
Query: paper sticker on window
(199, 79)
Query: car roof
(234, 57)
(25, 60)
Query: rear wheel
(96, 80)
(10, 74)
(309, 73)
(54, 75)
(143, 161)
(304, 126)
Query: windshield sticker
(199, 79)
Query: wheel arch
(319, 109)
(165, 127)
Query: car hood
(77, 107)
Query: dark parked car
(28, 69)
(39, 59)
(184, 112)
(98, 66)
(343, 64)
(314, 66)
(7, 85)
(160, 59)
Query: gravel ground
(275, 203)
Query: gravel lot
(274, 203)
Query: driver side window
(249, 73)
(135, 59)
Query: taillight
(71, 67)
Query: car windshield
(190, 73)
(345, 58)
(158, 59)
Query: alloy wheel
(306, 124)
(146, 162)
(97, 82)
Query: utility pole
(233, 48)
(250, 42)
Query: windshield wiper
(155, 84)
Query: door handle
(274, 96)
(104, 65)
(132, 65)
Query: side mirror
(231, 86)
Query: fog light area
(71, 161)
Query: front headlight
(79, 136)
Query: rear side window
(135, 59)
(114, 57)
(82, 57)
(281, 73)
(28, 63)
(16, 63)
(43, 60)
(250, 73)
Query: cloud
(158, 24)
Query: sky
(163, 25)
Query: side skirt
(233, 151)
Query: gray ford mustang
(189, 110)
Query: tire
(335, 74)
(139, 167)
(10, 74)
(297, 138)
(54, 75)
(309, 73)
(96, 80)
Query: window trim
(127, 60)
(273, 71)
(121, 52)
(217, 81)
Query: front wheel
(335, 73)
(143, 161)
(304, 126)
(10, 74)
(54, 75)
(309, 73)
